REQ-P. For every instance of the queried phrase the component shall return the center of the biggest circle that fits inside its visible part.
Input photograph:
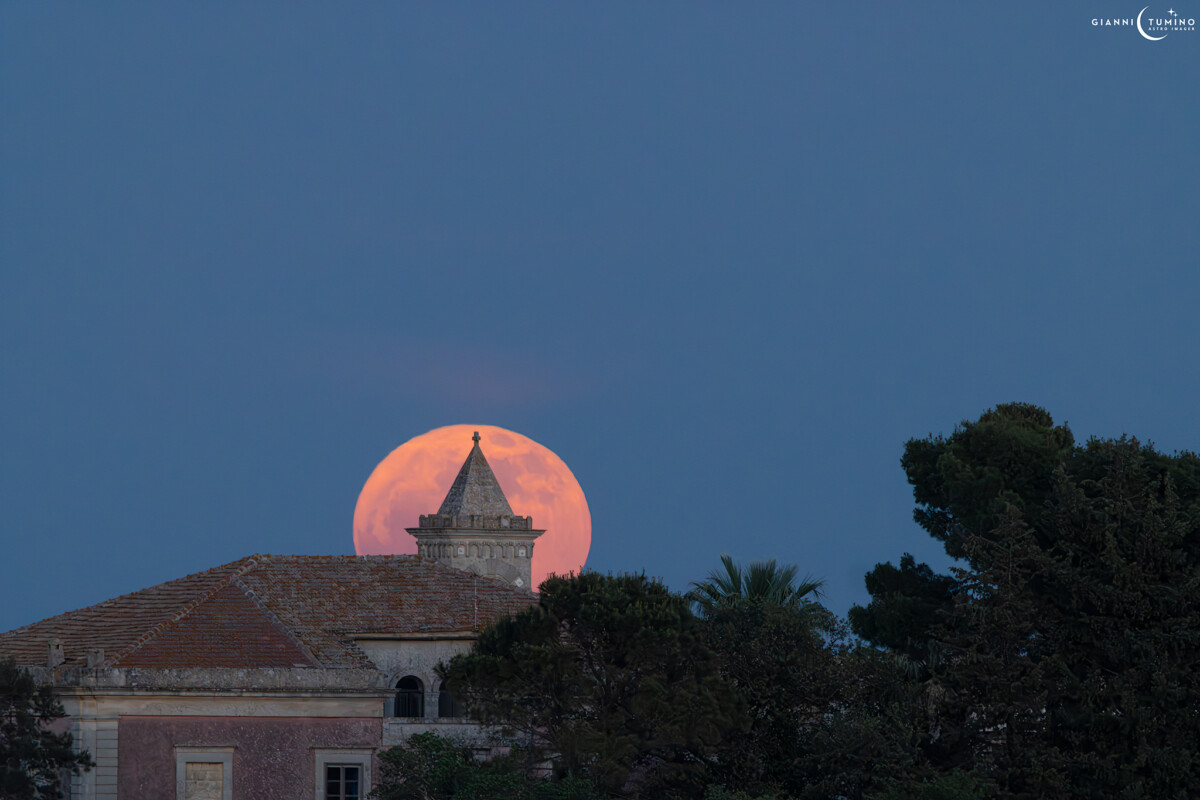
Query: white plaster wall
(398, 658)
(468, 732)
(114, 705)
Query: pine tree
(32, 757)
(608, 677)
(1062, 651)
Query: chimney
(95, 658)
(54, 653)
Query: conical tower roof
(476, 490)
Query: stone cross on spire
(476, 529)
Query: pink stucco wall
(272, 759)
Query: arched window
(449, 706)
(410, 697)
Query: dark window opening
(449, 705)
(410, 697)
(342, 782)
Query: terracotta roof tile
(117, 624)
(228, 629)
(273, 611)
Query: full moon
(414, 478)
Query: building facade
(282, 676)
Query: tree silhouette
(608, 678)
(31, 756)
(764, 581)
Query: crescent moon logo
(1142, 32)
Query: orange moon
(414, 478)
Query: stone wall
(400, 658)
(326, 681)
(273, 758)
(509, 559)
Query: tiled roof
(272, 611)
(476, 490)
(228, 629)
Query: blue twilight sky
(722, 258)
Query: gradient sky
(724, 259)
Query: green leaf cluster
(32, 756)
(608, 678)
(1056, 659)
(787, 677)
(612, 680)
(431, 767)
(762, 581)
(1060, 658)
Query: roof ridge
(250, 613)
(275, 621)
(250, 563)
(111, 600)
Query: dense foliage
(32, 757)
(609, 677)
(763, 581)
(1060, 660)
(1057, 659)
(434, 768)
(613, 681)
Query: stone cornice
(322, 681)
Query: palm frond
(764, 581)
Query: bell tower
(476, 530)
